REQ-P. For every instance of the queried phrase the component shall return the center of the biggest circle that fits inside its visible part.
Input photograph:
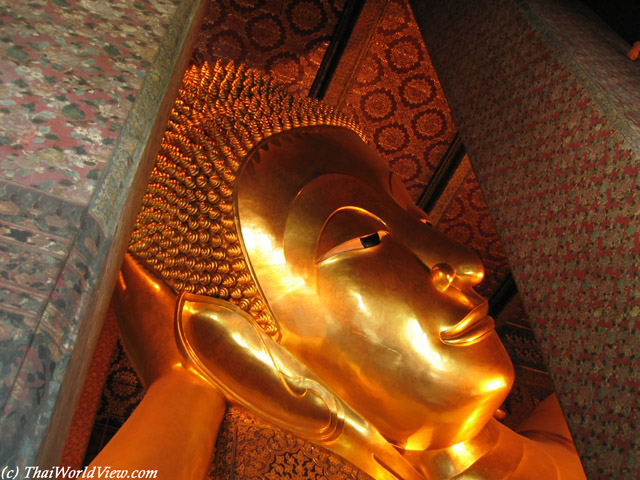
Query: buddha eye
(370, 240)
(358, 243)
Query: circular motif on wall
(123, 392)
(391, 138)
(434, 151)
(248, 6)
(485, 224)
(226, 45)
(454, 212)
(429, 124)
(370, 71)
(212, 19)
(286, 69)
(378, 104)
(407, 167)
(494, 250)
(404, 54)
(417, 90)
(265, 32)
(306, 16)
(461, 232)
(475, 198)
(395, 19)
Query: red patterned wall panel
(561, 174)
(394, 93)
(286, 39)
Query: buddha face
(367, 293)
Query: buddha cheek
(375, 337)
(418, 391)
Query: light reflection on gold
(463, 454)
(361, 305)
(472, 419)
(420, 342)
(192, 371)
(257, 240)
(261, 355)
(413, 444)
(492, 385)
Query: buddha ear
(228, 348)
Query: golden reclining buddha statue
(277, 264)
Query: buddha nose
(454, 264)
(468, 268)
(434, 248)
(442, 274)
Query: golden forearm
(173, 430)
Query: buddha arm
(254, 371)
(173, 430)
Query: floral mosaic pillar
(85, 87)
(548, 107)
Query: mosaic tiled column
(548, 106)
(85, 89)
